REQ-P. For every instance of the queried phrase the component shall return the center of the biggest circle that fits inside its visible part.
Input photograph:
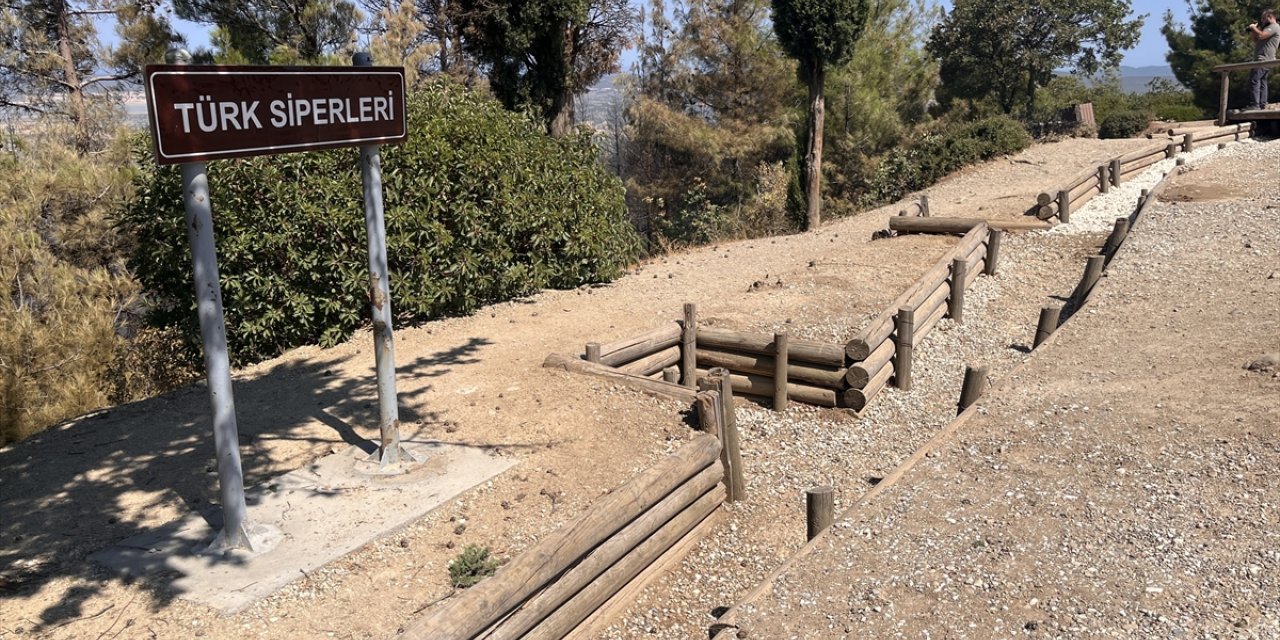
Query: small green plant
(1124, 124)
(471, 566)
(1179, 113)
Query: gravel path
(1122, 484)
(784, 454)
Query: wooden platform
(1252, 115)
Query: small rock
(1266, 363)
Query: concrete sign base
(322, 512)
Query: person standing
(1266, 38)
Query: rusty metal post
(380, 297)
(237, 532)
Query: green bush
(471, 566)
(481, 206)
(934, 156)
(1124, 124)
(1179, 113)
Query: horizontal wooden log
(1082, 193)
(961, 226)
(1047, 211)
(930, 321)
(622, 352)
(1135, 167)
(755, 364)
(585, 602)
(654, 363)
(976, 268)
(936, 299)
(477, 608)
(804, 350)
(1045, 198)
(862, 373)
(1143, 153)
(762, 387)
(651, 387)
(546, 602)
(1085, 176)
(881, 327)
(858, 399)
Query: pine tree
(275, 31)
(819, 34)
(1216, 36)
(543, 53)
(402, 41)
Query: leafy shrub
(932, 157)
(1124, 124)
(481, 206)
(471, 566)
(1179, 113)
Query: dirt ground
(477, 381)
(1121, 484)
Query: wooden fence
(1074, 193)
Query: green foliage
(1217, 35)
(471, 566)
(276, 31)
(66, 295)
(932, 157)
(481, 207)
(1179, 113)
(710, 125)
(819, 33)
(1002, 51)
(541, 53)
(1123, 124)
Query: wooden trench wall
(1073, 194)
(574, 581)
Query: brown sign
(200, 113)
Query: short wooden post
(905, 325)
(1188, 142)
(1104, 180)
(1222, 99)
(955, 303)
(820, 509)
(1092, 273)
(1116, 171)
(975, 384)
(1048, 324)
(710, 419)
(994, 237)
(1064, 205)
(780, 359)
(689, 346)
(735, 479)
(1171, 150)
(593, 352)
(1180, 162)
(671, 374)
(1221, 146)
(924, 206)
(1116, 238)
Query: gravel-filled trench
(786, 453)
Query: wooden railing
(1225, 70)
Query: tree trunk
(561, 114)
(813, 159)
(75, 92)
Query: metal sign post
(389, 450)
(201, 113)
(237, 532)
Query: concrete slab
(322, 511)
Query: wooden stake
(905, 323)
(1048, 324)
(993, 251)
(1188, 142)
(1092, 273)
(975, 384)
(735, 479)
(780, 372)
(955, 303)
(593, 352)
(1116, 172)
(1104, 180)
(671, 375)
(689, 346)
(820, 508)
(924, 206)
(1171, 150)
(1118, 234)
(1064, 206)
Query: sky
(1150, 50)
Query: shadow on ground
(88, 484)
